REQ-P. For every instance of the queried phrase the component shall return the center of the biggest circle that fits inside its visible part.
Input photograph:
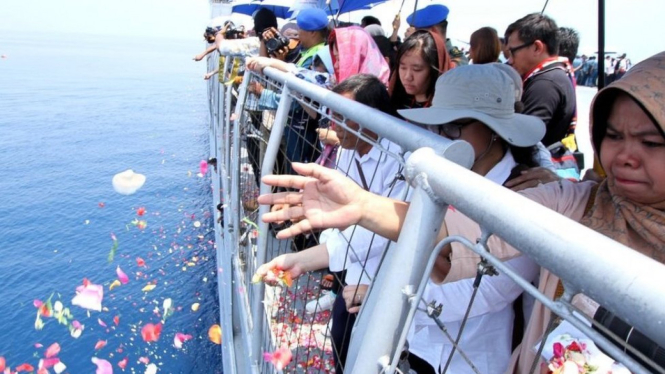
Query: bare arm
(209, 50)
(328, 199)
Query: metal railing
(257, 318)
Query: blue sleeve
(269, 100)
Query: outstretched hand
(326, 199)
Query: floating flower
(114, 248)
(151, 369)
(3, 363)
(140, 262)
(144, 360)
(101, 204)
(167, 307)
(47, 363)
(116, 320)
(100, 344)
(89, 296)
(148, 288)
(103, 366)
(127, 182)
(150, 332)
(52, 350)
(123, 364)
(280, 358)
(203, 167)
(114, 284)
(24, 367)
(75, 329)
(59, 367)
(215, 334)
(122, 277)
(180, 338)
(58, 307)
(140, 211)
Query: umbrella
(282, 9)
(347, 6)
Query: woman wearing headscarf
(628, 134)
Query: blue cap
(428, 16)
(312, 19)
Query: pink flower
(103, 366)
(121, 275)
(89, 296)
(52, 350)
(558, 349)
(280, 358)
(180, 338)
(203, 167)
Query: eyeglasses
(515, 49)
(453, 130)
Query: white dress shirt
(356, 249)
(487, 336)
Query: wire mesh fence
(261, 125)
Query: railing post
(257, 306)
(384, 312)
(224, 258)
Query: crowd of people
(586, 69)
(514, 115)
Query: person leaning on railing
(478, 104)
(356, 250)
(628, 134)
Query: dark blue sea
(74, 111)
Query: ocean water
(74, 111)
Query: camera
(276, 43)
(234, 33)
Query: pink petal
(48, 362)
(121, 275)
(144, 360)
(180, 338)
(203, 167)
(103, 366)
(52, 350)
(123, 363)
(89, 297)
(280, 358)
(101, 323)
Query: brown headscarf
(638, 226)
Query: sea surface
(74, 111)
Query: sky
(631, 25)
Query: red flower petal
(150, 332)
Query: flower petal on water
(103, 366)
